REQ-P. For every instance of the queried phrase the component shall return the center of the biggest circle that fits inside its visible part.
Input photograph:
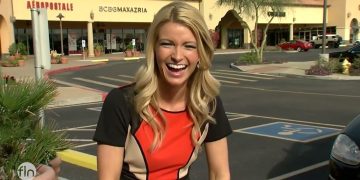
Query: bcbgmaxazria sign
(122, 9)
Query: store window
(139, 39)
(55, 40)
(235, 38)
(128, 35)
(74, 41)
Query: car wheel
(298, 49)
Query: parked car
(332, 40)
(356, 42)
(298, 45)
(345, 153)
(350, 54)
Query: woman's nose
(177, 54)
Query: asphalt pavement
(71, 94)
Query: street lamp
(324, 27)
(60, 16)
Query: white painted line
(230, 82)
(79, 127)
(235, 118)
(79, 140)
(74, 105)
(85, 145)
(96, 82)
(114, 79)
(126, 76)
(300, 171)
(294, 92)
(74, 85)
(80, 130)
(293, 120)
(239, 79)
(98, 109)
(242, 75)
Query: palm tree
(21, 137)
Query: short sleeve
(113, 123)
(222, 126)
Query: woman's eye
(190, 46)
(165, 44)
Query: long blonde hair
(203, 87)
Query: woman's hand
(49, 172)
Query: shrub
(21, 47)
(248, 58)
(355, 68)
(17, 48)
(318, 69)
(12, 49)
(334, 65)
(98, 47)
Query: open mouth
(176, 67)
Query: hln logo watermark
(26, 170)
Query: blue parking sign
(291, 131)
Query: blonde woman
(154, 128)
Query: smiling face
(176, 54)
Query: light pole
(60, 16)
(324, 27)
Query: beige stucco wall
(340, 15)
(302, 15)
(138, 11)
(6, 27)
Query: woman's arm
(109, 162)
(217, 158)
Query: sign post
(83, 45)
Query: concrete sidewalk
(291, 69)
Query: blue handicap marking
(291, 131)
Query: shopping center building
(115, 24)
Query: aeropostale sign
(60, 6)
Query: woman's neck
(172, 98)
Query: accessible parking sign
(291, 131)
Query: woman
(154, 128)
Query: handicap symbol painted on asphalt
(291, 131)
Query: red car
(298, 45)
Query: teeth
(177, 66)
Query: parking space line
(79, 140)
(96, 82)
(298, 121)
(300, 171)
(85, 145)
(114, 79)
(79, 127)
(80, 130)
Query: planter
(21, 62)
(136, 53)
(54, 61)
(97, 52)
(128, 54)
(63, 60)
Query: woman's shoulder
(122, 91)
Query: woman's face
(176, 54)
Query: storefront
(114, 24)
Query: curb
(73, 68)
(78, 158)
